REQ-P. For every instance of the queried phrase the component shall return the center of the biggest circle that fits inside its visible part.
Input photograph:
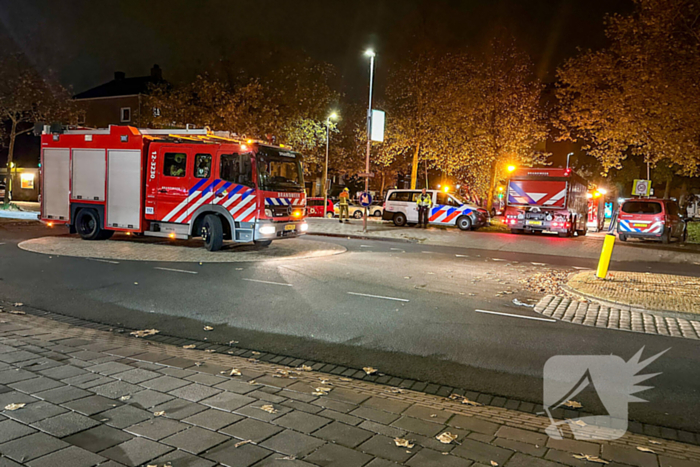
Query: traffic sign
(365, 199)
(641, 188)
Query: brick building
(118, 102)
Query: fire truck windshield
(279, 170)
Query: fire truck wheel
(399, 219)
(263, 243)
(329, 215)
(87, 223)
(464, 223)
(565, 234)
(623, 237)
(212, 232)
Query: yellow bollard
(605, 255)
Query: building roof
(123, 86)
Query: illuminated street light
(602, 191)
(332, 116)
(446, 189)
(511, 168)
(370, 53)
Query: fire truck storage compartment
(56, 190)
(124, 189)
(88, 175)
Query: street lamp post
(332, 116)
(369, 53)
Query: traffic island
(152, 249)
(643, 291)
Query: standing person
(343, 205)
(425, 202)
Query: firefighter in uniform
(425, 202)
(343, 205)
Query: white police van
(448, 210)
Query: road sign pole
(369, 134)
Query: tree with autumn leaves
(28, 97)
(468, 115)
(639, 98)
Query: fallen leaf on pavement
(346, 380)
(235, 372)
(191, 346)
(446, 437)
(304, 368)
(396, 390)
(12, 407)
(643, 449)
(255, 353)
(268, 408)
(16, 312)
(232, 342)
(590, 458)
(208, 328)
(286, 458)
(369, 370)
(19, 304)
(494, 463)
(433, 415)
(651, 441)
(145, 333)
(321, 391)
(198, 363)
(472, 403)
(572, 404)
(238, 445)
(210, 350)
(159, 414)
(580, 423)
(403, 443)
(124, 398)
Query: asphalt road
(410, 310)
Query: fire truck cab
(547, 200)
(171, 183)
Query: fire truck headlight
(267, 229)
(304, 227)
(549, 217)
(268, 212)
(521, 216)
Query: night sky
(86, 41)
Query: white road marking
(177, 270)
(498, 259)
(396, 249)
(538, 264)
(267, 282)
(365, 246)
(427, 252)
(102, 260)
(516, 316)
(462, 256)
(378, 296)
(580, 268)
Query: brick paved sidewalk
(648, 291)
(87, 397)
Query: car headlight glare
(267, 229)
(304, 227)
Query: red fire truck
(547, 200)
(171, 183)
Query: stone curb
(593, 314)
(361, 237)
(626, 307)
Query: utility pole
(325, 175)
(370, 53)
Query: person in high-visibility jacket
(425, 202)
(343, 205)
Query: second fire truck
(547, 200)
(171, 183)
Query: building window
(126, 114)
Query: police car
(448, 210)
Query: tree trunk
(667, 190)
(414, 168)
(10, 152)
(427, 184)
(492, 185)
(381, 192)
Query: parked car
(651, 219)
(357, 211)
(314, 208)
(448, 210)
(2, 191)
